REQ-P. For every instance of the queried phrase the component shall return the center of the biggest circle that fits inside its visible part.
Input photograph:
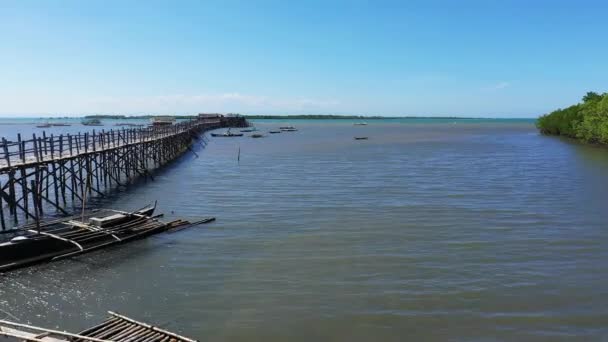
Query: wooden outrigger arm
(57, 237)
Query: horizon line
(260, 116)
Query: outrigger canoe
(288, 128)
(72, 235)
(226, 134)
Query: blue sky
(427, 58)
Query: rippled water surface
(440, 230)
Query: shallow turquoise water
(440, 230)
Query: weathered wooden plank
(2, 213)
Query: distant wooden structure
(163, 120)
(56, 172)
(117, 328)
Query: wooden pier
(62, 172)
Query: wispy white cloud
(502, 85)
(498, 86)
(176, 103)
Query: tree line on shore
(587, 121)
(134, 117)
(272, 117)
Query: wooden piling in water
(52, 172)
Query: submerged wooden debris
(117, 328)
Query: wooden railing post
(7, 157)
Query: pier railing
(62, 171)
(42, 147)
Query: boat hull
(33, 248)
(217, 135)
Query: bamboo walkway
(116, 328)
(61, 172)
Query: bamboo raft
(71, 236)
(117, 328)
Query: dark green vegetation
(587, 121)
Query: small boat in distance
(92, 122)
(226, 134)
(257, 135)
(44, 125)
(274, 132)
(288, 128)
(363, 123)
(60, 124)
(361, 138)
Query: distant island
(345, 117)
(281, 117)
(277, 117)
(313, 117)
(134, 117)
(586, 121)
